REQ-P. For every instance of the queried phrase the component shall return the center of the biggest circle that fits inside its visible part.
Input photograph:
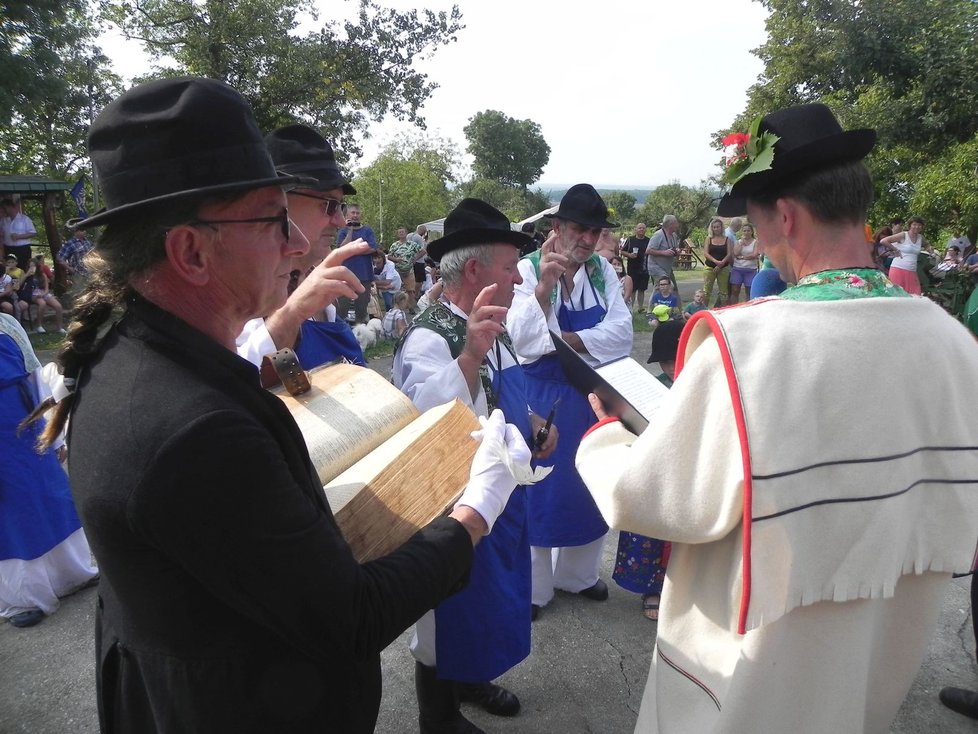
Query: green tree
(336, 79)
(507, 150)
(623, 205)
(406, 185)
(907, 69)
(515, 202)
(946, 190)
(55, 78)
(29, 43)
(692, 206)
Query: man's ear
(189, 252)
(788, 212)
(470, 271)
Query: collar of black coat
(166, 329)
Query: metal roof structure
(27, 185)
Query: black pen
(542, 435)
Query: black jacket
(229, 601)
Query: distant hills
(555, 192)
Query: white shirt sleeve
(530, 327)
(527, 324)
(254, 342)
(425, 371)
(683, 478)
(612, 338)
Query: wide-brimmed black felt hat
(174, 139)
(298, 150)
(474, 222)
(583, 204)
(810, 138)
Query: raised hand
(484, 324)
(552, 266)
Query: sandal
(650, 607)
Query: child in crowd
(698, 304)
(395, 321)
(664, 296)
(42, 296)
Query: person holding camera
(361, 265)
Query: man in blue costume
(458, 348)
(320, 276)
(568, 289)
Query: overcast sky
(628, 92)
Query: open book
(387, 469)
(627, 390)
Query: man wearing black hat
(229, 600)
(307, 322)
(814, 521)
(570, 290)
(458, 348)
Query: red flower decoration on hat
(749, 152)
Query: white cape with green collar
(816, 467)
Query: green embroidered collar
(833, 285)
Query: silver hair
(736, 223)
(669, 219)
(453, 262)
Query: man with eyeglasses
(361, 265)
(307, 322)
(229, 600)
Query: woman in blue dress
(43, 551)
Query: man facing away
(229, 600)
(458, 348)
(813, 535)
(569, 290)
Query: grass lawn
(684, 275)
(47, 342)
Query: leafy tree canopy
(693, 206)
(55, 77)
(407, 185)
(623, 205)
(514, 201)
(336, 79)
(906, 68)
(507, 150)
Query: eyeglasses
(282, 219)
(330, 206)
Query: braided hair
(126, 249)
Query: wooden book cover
(387, 469)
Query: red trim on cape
(603, 422)
(738, 408)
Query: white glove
(491, 481)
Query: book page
(636, 384)
(349, 411)
(406, 482)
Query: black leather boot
(493, 699)
(438, 704)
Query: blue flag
(78, 194)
